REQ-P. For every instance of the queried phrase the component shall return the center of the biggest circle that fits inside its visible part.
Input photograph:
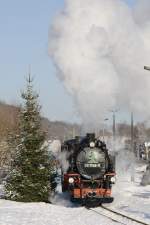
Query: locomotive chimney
(91, 136)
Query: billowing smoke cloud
(141, 12)
(100, 48)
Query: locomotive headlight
(71, 180)
(92, 144)
(113, 180)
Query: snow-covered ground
(12, 213)
(130, 198)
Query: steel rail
(109, 217)
(125, 216)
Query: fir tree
(29, 180)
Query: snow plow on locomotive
(91, 172)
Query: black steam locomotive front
(91, 162)
(90, 172)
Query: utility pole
(147, 173)
(147, 68)
(114, 129)
(73, 132)
(106, 119)
(132, 132)
(132, 149)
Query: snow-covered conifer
(29, 180)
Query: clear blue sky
(24, 29)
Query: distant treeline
(9, 122)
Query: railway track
(117, 216)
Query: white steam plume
(100, 48)
(55, 149)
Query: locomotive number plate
(92, 165)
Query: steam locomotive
(91, 172)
